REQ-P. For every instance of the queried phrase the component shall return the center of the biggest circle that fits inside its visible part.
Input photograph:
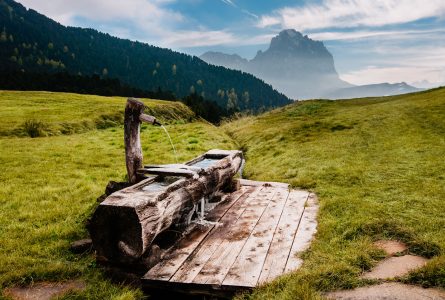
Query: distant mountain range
(373, 90)
(301, 68)
(31, 42)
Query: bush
(34, 128)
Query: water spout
(149, 119)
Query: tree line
(95, 85)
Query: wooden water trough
(192, 228)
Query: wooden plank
(284, 236)
(305, 233)
(247, 267)
(173, 260)
(195, 262)
(215, 270)
(247, 182)
(195, 289)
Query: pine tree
(3, 36)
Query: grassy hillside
(49, 185)
(377, 167)
(65, 113)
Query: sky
(372, 41)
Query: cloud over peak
(353, 13)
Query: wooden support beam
(132, 128)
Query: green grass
(47, 113)
(49, 185)
(378, 168)
(376, 165)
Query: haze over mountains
(301, 68)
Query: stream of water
(171, 143)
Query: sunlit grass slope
(49, 185)
(65, 113)
(377, 165)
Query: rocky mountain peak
(294, 64)
(292, 42)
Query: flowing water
(171, 143)
(205, 163)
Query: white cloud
(198, 38)
(184, 39)
(391, 62)
(244, 11)
(134, 11)
(250, 14)
(353, 13)
(364, 34)
(154, 22)
(267, 21)
(372, 74)
(229, 2)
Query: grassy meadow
(376, 165)
(49, 185)
(48, 114)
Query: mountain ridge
(374, 90)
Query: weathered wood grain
(173, 260)
(126, 223)
(305, 233)
(247, 267)
(284, 236)
(216, 268)
(259, 235)
(133, 150)
(194, 264)
(147, 119)
(247, 182)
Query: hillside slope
(377, 167)
(34, 43)
(67, 113)
(49, 184)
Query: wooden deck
(260, 229)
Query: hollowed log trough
(126, 223)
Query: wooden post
(132, 128)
